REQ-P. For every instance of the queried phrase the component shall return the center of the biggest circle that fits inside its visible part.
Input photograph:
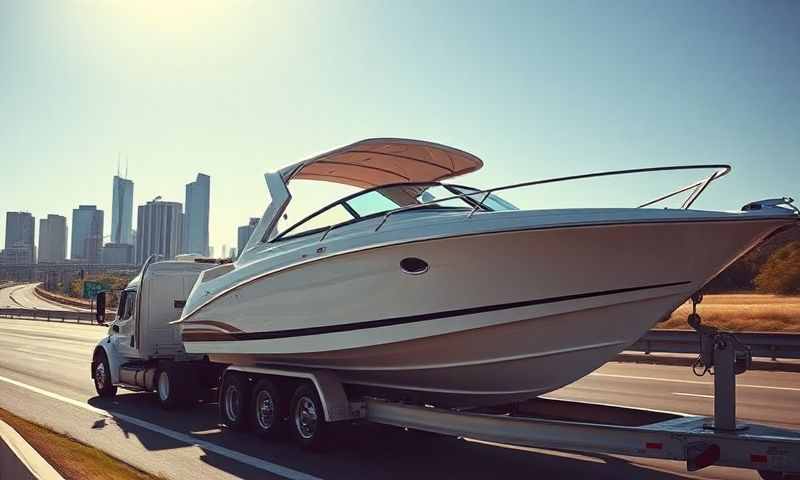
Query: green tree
(781, 272)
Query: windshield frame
(286, 234)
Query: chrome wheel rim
(305, 417)
(100, 376)
(163, 386)
(232, 403)
(265, 410)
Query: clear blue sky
(536, 89)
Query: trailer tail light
(758, 458)
(653, 446)
(701, 455)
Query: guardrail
(53, 315)
(769, 344)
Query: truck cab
(142, 350)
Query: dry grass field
(743, 312)
(73, 460)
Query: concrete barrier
(61, 299)
(19, 461)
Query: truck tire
(234, 398)
(170, 387)
(267, 410)
(101, 374)
(307, 419)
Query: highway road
(45, 377)
(23, 296)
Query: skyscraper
(52, 239)
(244, 232)
(195, 238)
(20, 228)
(122, 213)
(87, 234)
(159, 230)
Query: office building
(52, 239)
(118, 254)
(17, 254)
(19, 229)
(195, 233)
(87, 234)
(159, 230)
(19, 244)
(122, 213)
(244, 232)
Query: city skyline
(535, 90)
(89, 218)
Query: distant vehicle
(418, 292)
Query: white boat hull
(497, 317)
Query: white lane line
(693, 382)
(181, 437)
(692, 395)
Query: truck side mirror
(100, 308)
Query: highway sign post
(91, 289)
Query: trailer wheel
(267, 410)
(233, 400)
(307, 419)
(169, 386)
(772, 475)
(101, 374)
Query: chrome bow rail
(697, 187)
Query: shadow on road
(364, 450)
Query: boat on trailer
(436, 293)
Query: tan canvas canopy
(380, 161)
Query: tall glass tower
(195, 231)
(122, 213)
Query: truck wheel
(267, 410)
(233, 400)
(101, 374)
(169, 387)
(307, 419)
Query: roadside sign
(91, 289)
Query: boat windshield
(377, 201)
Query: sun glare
(177, 16)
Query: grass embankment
(743, 312)
(73, 460)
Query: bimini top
(380, 161)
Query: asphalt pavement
(45, 377)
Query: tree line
(774, 267)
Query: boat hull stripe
(203, 336)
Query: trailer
(143, 352)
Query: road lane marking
(692, 395)
(181, 437)
(693, 382)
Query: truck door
(126, 324)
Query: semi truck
(143, 352)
